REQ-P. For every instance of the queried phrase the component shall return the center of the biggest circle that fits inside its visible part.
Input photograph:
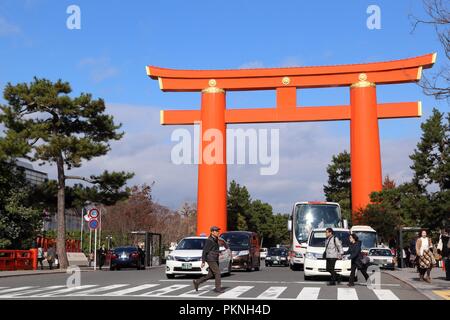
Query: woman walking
(354, 251)
(426, 259)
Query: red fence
(11, 260)
(71, 245)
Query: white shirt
(425, 245)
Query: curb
(429, 295)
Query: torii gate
(363, 113)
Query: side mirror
(289, 225)
(345, 224)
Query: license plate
(186, 266)
(275, 262)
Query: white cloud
(305, 151)
(8, 29)
(100, 69)
(252, 65)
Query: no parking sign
(93, 215)
(93, 224)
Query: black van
(245, 247)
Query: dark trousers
(331, 263)
(356, 267)
(214, 272)
(447, 268)
(41, 263)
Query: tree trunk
(61, 219)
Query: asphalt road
(268, 283)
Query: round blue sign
(93, 213)
(93, 224)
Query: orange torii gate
(363, 113)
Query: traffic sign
(93, 213)
(93, 224)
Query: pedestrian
(426, 258)
(40, 256)
(407, 256)
(91, 258)
(211, 256)
(412, 248)
(354, 250)
(51, 256)
(102, 256)
(444, 250)
(333, 252)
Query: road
(268, 283)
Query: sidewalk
(438, 289)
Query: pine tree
(44, 123)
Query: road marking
(309, 293)
(130, 290)
(14, 289)
(66, 290)
(201, 291)
(384, 294)
(277, 282)
(347, 294)
(165, 290)
(32, 291)
(235, 292)
(97, 290)
(271, 293)
(443, 293)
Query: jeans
(214, 272)
(331, 263)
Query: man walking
(333, 252)
(444, 251)
(211, 256)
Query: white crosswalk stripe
(384, 294)
(347, 294)
(97, 290)
(14, 289)
(201, 291)
(235, 292)
(65, 291)
(131, 290)
(165, 290)
(186, 291)
(32, 291)
(272, 293)
(309, 293)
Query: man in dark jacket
(444, 251)
(354, 250)
(211, 256)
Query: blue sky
(107, 58)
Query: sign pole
(81, 230)
(95, 249)
(100, 229)
(90, 241)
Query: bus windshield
(368, 239)
(312, 216)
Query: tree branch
(79, 178)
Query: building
(33, 176)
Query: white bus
(305, 217)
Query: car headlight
(268, 258)
(283, 258)
(313, 256)
(170, 257)
(243, 253)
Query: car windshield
(237, 241)
(311, 216)
(191, 244)
(380, 252)
(277, 252)
(368, 239)
(318, 238)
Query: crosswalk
(181, 291)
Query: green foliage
(338, 188)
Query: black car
(277, 257)
(127, 257)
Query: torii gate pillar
(212, 168)
(364, 144)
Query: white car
(315, 265)
(296, 260)
(186, 259)
(263, 253)
(382, 257)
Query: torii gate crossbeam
(363, 113)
